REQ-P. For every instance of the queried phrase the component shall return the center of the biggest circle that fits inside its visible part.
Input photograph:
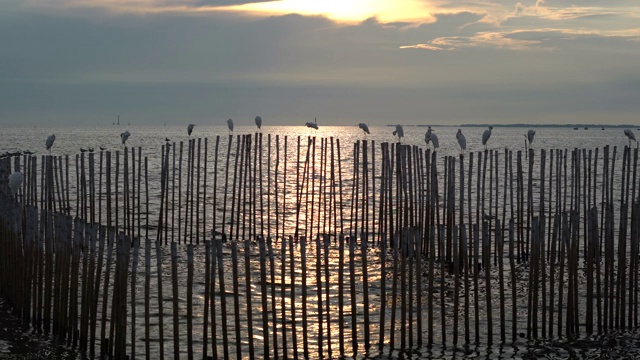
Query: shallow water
(315, 190)
(616, 342)
(286, 222)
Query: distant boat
(575, 128)
(603, 128)
(586, 128)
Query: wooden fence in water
(304, 249)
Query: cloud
(193, 7)
(342, 11)
(496, 40)
(228, 2)
(519, 40)
(564, 13)
(162, 60)
(426, 47)
(532, 26)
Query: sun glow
(342, 10)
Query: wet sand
(19, 342)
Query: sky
(429, 62)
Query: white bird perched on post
(15, 181)
(364, 127)
(190, 128)
(313, 124)
(124, 136)
(485, 136)
(630, 135)
(399, 132)
(529, 136)
(429, 136)
(258, 122)
(50, 140)
(230, 125)
(434, 141)
(462, 141)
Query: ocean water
(69, 140)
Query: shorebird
(462, 141)
(15, 180)
(364, 127)
(485, 136)
(313, 124)
(50, 141)
(399, 132)
(124, 136)
(258, 122)
(190, 128)
(630, 135)
(429, 136)
(530, 134)
(230, 125)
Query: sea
(71, 139)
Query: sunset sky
(342, 61)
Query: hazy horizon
(436, 62)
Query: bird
(190, 128)
(124, 136)
(399, 132)
(529, 136)
(15, 180)
(166, 139)
(83, 150)
(630, 135)
(90, 150)
(429, 136)
(462, 141)
(50, 141)
(258, 122)
(230, 125)
(103, 148)
(485, 136)
(27, 152)
(364, 127)
(434, 141)
(313, 124)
